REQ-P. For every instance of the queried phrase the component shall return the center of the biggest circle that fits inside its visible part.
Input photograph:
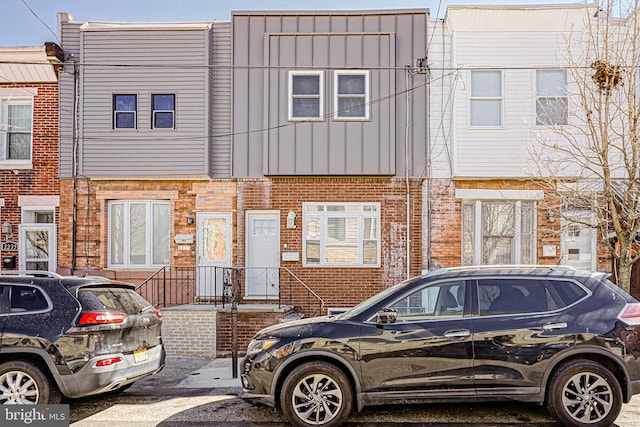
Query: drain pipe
(406, 173)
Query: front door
(578, 243)
(262, 275)
(214, 252)
(37, 247)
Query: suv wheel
(316, 394)
(584, 393)
(24, 383)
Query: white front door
(262, 275)
(214, 250)
(37, 247)
(578, 244)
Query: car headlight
(256, 346)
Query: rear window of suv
(112, 299)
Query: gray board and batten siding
(146, 59)
(267, 45)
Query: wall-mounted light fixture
(550, 216)
(291, 219)
(189, 219)
(7, 229)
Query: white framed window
(498, 232)
(552, 106)
(163, 111)
(485, 103)
(139, 233)
(16, 124)
(125, 108)
(341, 234)
(351, 95)
(306, 89)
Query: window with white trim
(351, 98)
(139, 233)
(125, 111)
(163, 111)
(498, 232)
(306, 95)
(485, 103)
(16, 124)
(551, 97)
(341, 234)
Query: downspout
(74, 169)
(406, 174)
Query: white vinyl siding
(341, 234)
(138, 233)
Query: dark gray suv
(73, 337)
(548, 335)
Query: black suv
(548, 335)
(73, 337)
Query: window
(498, 232)
(305, 95)
(344, 234)
(486, 98)
(551, 97)
(437, 301)
(27, 298)
(124, 111)
(163, 115)
(351, 95)
(138, 233)
(16, 120)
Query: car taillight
(158, 314)
(101, 318)
(630, 314)
(109, 362)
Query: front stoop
(201, 330)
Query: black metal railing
(182, 285)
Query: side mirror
(387, 315)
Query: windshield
(368, 303)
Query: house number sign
(9, 246)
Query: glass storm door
(37, 247)
(214, 251)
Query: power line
(41, 21)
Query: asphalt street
(202, 392)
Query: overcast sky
(22, 27)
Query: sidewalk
(215, 374)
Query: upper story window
(485, 104)
(341, 234)
(351, 95)
(551, 97)
(125, 111)
(16, 121)
(306, 90)
(163, 114)
(139, 233)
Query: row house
(29, 185)
(505, 82)
(287, 146)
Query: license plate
(140, 355)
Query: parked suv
(548, 335)
(73, 337)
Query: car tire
(584, 393)
(316, 394)
(22, 382)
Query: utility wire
(40, 19)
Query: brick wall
(189, 332)
(42, 178)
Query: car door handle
(458, 333)
(553, 326)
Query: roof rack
(35, 273)
(504, 267)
